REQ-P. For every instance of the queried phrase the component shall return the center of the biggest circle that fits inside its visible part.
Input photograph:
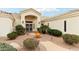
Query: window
(28, 21)
(65, 26)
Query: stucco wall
(5, 26)
(72, 25)
(17, 19)
(36, 22)
(57, 24)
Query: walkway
(49, 46)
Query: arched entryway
(30, 22)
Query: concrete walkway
(49, 46)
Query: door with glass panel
(29, 26)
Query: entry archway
(30, 22)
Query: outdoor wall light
(22, 22)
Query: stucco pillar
(23, 21)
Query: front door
(29, 26)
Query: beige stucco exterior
(36, 22)
(5, 26)
(10, 20)
(72, 22)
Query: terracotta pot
(37, 34)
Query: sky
(44, 11)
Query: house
(31, 19)
(67, 22)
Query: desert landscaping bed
(44, 38)
(18, 42)
(60, 42)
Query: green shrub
(12, 35)
(54, 32)
(20, 30)
(38, 29)
(6, 47)
(43, 29)
(71, 38)
(30, 43)
(49, 31)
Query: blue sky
(44, 11)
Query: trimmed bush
(49, 31)
(54, 32)
(38, 29)
(20, 30)
(12, 35)
(6, 47)
(71, 38)
(30, 43)
(43, 29)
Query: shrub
(12, 35)
(49, 31)
(30, 43)
(43, 29)
(39, 30)
(20, 30)
(54, 32)
(71, 38)
(6, 47)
